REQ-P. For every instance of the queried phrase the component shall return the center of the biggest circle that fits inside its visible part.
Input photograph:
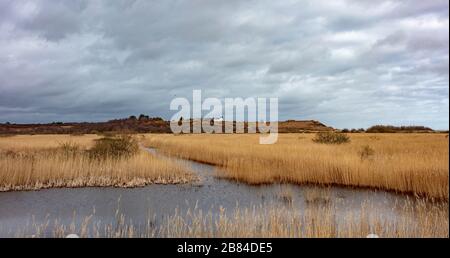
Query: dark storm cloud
(346, 63)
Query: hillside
(294, 126)
(133, 125)
(143, 124)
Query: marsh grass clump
(331, 138)
(68, 149)
(286, 195)
(123, 146)
(414, 218)
(406, 163)
(52, 161)
(317, 196)
(366, 152)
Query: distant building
(218, 119)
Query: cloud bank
(345, 63)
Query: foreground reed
(416, 218)
(409, 163)
(37, 162)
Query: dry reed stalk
(24, 165)
(409, 163)
(415, 219)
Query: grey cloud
(347, 63)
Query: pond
(156, 202)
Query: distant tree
(345, 130)
(143, 117)
(394, 129)
(132, 118)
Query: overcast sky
(345, 63)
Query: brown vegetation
(294, 126)
(133, 124)
(144, 124)
(398, 129)
(418, 219)
(331, 138)
(123, 146)
(36, 162)
(409, 163)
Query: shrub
(143, 117)
(366, 152)
(395, 129)
(68, 149)
(123, 146)
(331, 138)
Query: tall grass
(36, 162)
(414, 219)
(410, 163)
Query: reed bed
(29, 142)
(50, 161)
(406, 163)
(415, 219)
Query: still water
(19, 209)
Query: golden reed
(36, 162)
(408, 163)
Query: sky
(346, 63)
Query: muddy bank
(94, 182)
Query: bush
(331, 138)
(123, 146)
(397, 129)
(366, 152)
(69, 149)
